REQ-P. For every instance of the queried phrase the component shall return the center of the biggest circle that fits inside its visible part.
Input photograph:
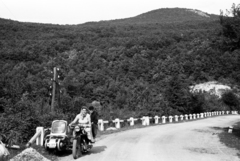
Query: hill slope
(166, 15)
(136, 66)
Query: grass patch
(231, 140)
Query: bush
(202, 102)
(231, 100)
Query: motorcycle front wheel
(76, 149)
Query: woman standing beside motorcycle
(83, 118)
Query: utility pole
(59, 93)
(54, 88)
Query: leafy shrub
(204, 101)
(231, 100)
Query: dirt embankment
(29, 154)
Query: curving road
(189, 141)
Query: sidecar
(58, 138)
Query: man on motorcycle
(84, 119)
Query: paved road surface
(189, 141)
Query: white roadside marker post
(156, 119)
(131, 120)
(170, 119)
(163, 119)
(176, 118)
(181, 117)
(101, 124)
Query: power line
(8, 10)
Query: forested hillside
(136, 66)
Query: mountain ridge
(162, 15)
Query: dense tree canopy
(132, 68)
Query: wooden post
(54, 88)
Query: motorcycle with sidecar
(61, 138)
(81, 143)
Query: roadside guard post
(131, 120)
(234, 112)
(186, 117)
(163, 119)
(205, 114)
(230, 129)
(194, 116)
(197, 115)
(181, 117)
(101, 124)
(39, 140)
(156, 119)
(147, 120)
(190, 116)
(38, 137)
(176, 118)
(117, 122)
(144, 121)
(170, 118)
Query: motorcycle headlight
(77, 128)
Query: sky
(81, 11)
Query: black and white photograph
(119, 80)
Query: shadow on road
(63, 153)
(96, 150)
